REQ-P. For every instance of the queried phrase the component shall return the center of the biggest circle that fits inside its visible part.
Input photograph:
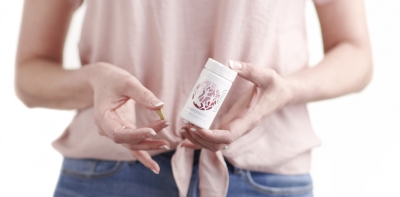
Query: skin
(42, 82)
(346, 68)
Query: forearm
(40, 80)
(346, 68)
(44, 83)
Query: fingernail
(235, 65)
(164, 147)
(193, 129)
(184, 121)
(157, 103)
(155, 172)
(182, 130)
(153, 133)
(167, 123)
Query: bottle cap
(221, 70)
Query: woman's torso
(165, 44)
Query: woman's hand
(115, 91)
(347, 67)
(41, 81)
(270, 93)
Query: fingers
(258, 75)
(234, 129)
(199, 142)
(131, 136)
(193, 141)
(109, 123)
(115, 130)
(189, 144)
(149, 144)
(135, 90)
(158, 125)
(145, 158)
(216, 136)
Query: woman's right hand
(115, 91)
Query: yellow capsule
(160, 113)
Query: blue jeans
(88, 177)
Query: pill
(160, 113)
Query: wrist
(292, 91)
(93, 72)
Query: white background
(360, 155)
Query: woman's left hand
(270, 93)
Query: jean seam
(275, 190)
(91, 175)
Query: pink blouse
(165, 44)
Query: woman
(139, 56)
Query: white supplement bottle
(208, 93)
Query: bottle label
(205, 99)
(206, 95)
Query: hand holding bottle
(270, 93)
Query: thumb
(258, 75)
(136, 91)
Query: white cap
(221, 70)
